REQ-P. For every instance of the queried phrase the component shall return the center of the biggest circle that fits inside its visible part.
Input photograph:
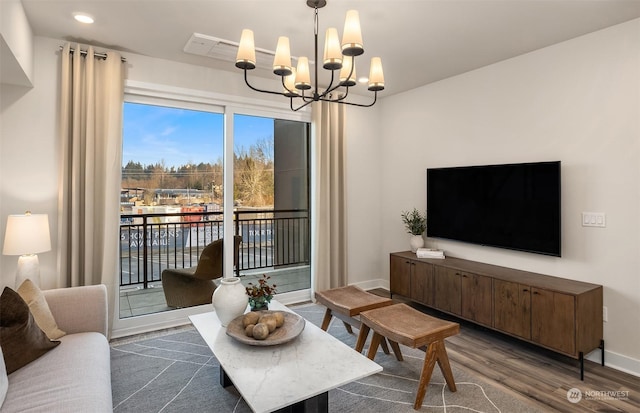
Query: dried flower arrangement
(260, 295)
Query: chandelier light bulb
(352, 35)
(332, 53)
(282, 60)
(246, 57)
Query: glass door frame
(161, 95)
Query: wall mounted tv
(513, 206)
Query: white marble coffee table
(299, 373)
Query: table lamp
(27, 235)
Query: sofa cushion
(39, 308)
(4, 381)
(21, 339)
(73, 377)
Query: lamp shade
(347, 74)
(352, 35)
(332, 53)
(303, 78)
(376, 76)
(290, 84)
(282, 59)
(246, 57)
(27, 234)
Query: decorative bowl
(292, 327)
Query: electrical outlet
(605, 315)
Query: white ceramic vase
(230, 300)
(416, 242)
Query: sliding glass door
(271, 200)
(174, 169)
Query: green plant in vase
(260, 295)
(415, 223)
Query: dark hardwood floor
(535, 374)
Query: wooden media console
(561, 315)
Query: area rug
(175, 371)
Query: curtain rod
(98, 55)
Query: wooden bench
(346, 303)
(402, 324)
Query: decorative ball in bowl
(266, 328)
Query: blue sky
(179, 136)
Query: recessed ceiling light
(363, 79)
(83, 18)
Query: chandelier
(338, 57)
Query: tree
(253, 175)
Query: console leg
(602, 348)
(581, 357)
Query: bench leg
(384, 345)
(396, 350)
(362, 338)
(373, 347)
(445, 367)
(435, 352)
(348, 327)
(326, 320)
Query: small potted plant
(415, 223)
(260, 295)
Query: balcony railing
(150, 243)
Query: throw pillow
(21, 339)
(39, 308)
(4, 380)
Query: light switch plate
(594, 219)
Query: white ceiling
(419, 41)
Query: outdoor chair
(187, 287)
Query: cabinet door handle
(536, 293)
(465, 276)
(525, 290)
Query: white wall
(577, 102)
(16, 44)
(364, 188)
(29, 155)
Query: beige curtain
(92, 93)
(329, 253)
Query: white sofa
(75, 376)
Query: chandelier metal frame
(294, 89)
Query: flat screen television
(513, 206)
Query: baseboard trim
(125, 327)
(373, 284)
(616, 361)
